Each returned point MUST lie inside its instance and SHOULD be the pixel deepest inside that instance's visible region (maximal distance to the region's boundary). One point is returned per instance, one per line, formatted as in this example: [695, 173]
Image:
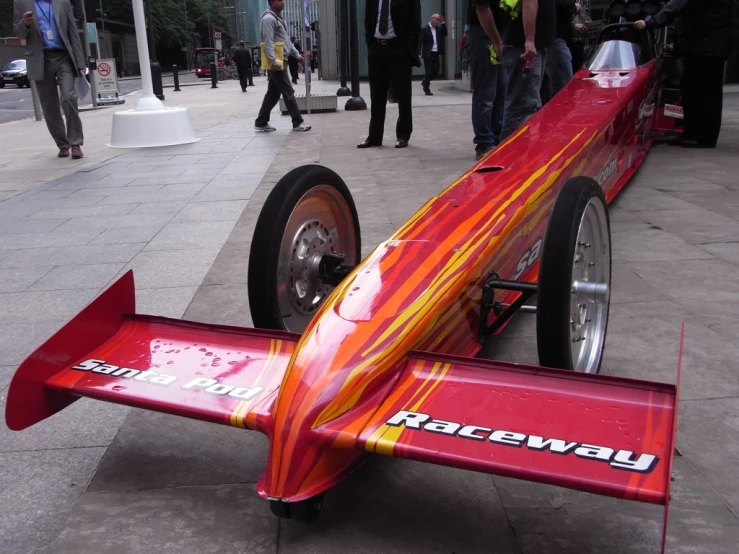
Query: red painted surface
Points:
[526, 407]
[326, 393]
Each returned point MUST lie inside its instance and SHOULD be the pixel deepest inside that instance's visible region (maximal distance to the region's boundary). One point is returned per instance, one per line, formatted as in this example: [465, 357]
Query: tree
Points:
[177, 23]
[6, 18]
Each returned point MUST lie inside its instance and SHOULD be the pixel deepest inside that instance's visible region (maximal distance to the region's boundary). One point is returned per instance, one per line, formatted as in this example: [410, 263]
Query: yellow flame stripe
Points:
[389, 437]
[240, 411]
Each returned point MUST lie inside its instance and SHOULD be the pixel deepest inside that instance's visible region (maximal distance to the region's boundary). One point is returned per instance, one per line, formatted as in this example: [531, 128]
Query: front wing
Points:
[215, 373]
[599, 434]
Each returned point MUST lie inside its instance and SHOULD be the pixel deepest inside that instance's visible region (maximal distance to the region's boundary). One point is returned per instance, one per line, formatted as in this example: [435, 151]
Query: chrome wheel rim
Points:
[591, 288]
[321, 222]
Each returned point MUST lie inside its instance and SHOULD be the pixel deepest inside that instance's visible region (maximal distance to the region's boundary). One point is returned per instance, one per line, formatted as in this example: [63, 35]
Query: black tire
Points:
[270, 232]
[305, 511]
[555, 331]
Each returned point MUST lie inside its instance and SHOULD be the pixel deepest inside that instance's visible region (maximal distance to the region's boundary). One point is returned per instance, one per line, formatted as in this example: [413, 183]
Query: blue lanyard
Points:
[46, 15]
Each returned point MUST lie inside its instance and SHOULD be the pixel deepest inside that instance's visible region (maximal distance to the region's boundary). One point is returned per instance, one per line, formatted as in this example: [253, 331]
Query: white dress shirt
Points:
[435, 47]
[390, 29]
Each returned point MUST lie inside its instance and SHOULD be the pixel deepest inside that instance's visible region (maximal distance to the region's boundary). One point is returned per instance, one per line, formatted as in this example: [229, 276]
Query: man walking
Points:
[432, 49]
[274, 32]
[525, 42]
[391, 30]
[486, 20]
[54, 55]
[705, 43]
[242, 57]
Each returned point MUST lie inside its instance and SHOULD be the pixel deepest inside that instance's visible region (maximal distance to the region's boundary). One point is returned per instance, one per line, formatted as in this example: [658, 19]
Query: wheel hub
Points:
[306, 291]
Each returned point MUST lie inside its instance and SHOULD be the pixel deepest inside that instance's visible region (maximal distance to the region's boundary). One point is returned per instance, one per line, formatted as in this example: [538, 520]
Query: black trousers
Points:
[702, 98]
[390, 66]
[244, 76]
[278, 83]
[577, 49]
[431, 66]
[293, 65]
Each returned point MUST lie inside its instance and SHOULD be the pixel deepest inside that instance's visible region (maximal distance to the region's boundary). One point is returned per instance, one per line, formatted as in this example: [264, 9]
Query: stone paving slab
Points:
[182, 217]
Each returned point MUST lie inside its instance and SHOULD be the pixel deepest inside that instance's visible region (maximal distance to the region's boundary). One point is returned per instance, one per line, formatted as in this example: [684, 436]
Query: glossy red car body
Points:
[386, 365]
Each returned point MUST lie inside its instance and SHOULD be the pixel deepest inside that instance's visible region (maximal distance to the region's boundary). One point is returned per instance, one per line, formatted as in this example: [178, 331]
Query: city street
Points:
[16, 104]
[101, 477]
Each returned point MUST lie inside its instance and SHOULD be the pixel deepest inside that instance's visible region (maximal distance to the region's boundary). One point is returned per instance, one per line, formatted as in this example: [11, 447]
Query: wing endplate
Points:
[215, 373]
[598, 434]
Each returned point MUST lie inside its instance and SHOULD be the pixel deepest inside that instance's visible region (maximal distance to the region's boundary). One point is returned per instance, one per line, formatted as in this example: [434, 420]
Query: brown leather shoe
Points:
[63, 153]
[76, 153]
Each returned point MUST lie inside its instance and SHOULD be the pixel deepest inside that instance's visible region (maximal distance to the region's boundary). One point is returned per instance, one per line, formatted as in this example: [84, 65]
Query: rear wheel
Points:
[575, 280]
[309, 213]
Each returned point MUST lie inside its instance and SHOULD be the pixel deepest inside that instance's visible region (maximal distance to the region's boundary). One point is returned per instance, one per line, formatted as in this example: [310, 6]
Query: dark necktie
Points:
[384, 13]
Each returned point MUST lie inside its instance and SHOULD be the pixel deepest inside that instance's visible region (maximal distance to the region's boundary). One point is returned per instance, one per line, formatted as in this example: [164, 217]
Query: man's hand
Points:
[300, 59]
[498, 45]
[581, 28]
[83, 72]
[529, 54]
[27, 18]
[275, 67]
[640, 25]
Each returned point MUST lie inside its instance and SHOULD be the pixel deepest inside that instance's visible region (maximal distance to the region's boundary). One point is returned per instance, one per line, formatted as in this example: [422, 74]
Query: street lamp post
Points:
[356, 102]
[343, 31]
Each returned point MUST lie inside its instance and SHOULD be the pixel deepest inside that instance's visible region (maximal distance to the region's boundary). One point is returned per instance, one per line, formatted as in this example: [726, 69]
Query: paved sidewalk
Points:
[99, 477]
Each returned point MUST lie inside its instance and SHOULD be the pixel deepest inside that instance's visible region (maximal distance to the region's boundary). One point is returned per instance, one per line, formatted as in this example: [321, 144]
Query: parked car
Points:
[14, 72]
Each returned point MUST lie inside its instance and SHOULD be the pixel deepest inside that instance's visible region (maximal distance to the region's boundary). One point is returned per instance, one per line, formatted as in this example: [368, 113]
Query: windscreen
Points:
[616, 55]
[204, 58]
[18, 64]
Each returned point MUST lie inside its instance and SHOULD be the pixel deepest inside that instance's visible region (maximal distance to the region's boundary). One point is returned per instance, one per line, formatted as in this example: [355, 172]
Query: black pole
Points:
[343, 32]
[213, 75]
[176, 76]
[356, 102]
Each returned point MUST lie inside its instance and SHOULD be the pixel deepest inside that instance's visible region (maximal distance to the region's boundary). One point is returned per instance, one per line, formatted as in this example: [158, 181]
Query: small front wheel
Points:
[305, 511]
[308, 215]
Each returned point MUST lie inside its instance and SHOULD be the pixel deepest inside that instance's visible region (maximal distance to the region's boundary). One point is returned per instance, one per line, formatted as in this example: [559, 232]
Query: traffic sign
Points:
[217, 35]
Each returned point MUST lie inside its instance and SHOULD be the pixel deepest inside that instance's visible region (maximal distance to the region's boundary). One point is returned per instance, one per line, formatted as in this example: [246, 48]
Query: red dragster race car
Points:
[354, 355]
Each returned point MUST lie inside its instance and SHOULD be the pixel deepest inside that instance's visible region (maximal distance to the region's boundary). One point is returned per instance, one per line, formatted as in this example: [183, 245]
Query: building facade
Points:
[455, 13]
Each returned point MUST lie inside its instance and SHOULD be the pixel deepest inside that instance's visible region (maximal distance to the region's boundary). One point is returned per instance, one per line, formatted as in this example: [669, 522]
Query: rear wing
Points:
[215, 373]
[598, 434]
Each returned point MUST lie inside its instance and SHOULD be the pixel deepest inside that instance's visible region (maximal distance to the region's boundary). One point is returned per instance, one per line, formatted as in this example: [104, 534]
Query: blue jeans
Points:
[522, 94]
[488, 91]
[558, 69]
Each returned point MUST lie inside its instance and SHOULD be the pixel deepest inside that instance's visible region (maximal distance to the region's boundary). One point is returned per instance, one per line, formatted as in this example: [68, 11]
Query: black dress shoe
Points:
[368, 144]
[402, 143]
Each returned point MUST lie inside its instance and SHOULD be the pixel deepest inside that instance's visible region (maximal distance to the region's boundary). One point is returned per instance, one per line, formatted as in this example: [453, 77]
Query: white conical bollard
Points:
[151, 123]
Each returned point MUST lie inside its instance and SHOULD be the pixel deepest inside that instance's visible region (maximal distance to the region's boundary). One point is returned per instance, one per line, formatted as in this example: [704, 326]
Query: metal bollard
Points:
[213, 75]
[36, 103]
[176, 75]
[156, 80]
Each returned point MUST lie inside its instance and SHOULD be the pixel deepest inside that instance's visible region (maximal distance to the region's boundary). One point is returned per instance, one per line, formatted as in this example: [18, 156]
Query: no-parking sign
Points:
[106, 78]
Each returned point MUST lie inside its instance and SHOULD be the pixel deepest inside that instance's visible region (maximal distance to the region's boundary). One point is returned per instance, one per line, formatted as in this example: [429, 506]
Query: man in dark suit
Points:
[54, 58]
[392, 29]
[242, 57]
[432, 49]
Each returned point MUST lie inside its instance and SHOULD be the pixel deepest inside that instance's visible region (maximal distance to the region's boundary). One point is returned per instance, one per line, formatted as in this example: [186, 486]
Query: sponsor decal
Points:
[208, 386]
[609, 170]
[618, 459]
[674, 111]
[528, 259]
